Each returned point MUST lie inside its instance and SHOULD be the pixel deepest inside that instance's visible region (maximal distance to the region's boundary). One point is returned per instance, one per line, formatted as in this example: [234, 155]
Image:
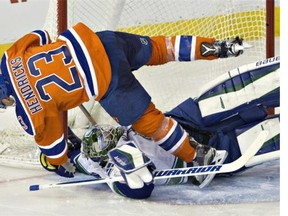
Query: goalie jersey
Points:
[48, 78]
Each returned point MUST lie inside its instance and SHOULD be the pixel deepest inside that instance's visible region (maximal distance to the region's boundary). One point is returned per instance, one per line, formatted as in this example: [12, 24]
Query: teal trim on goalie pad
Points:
[239, 82]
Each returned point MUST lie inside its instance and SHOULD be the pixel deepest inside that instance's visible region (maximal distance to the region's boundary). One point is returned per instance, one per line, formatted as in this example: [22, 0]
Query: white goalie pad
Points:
[242, 91]
[245, 139]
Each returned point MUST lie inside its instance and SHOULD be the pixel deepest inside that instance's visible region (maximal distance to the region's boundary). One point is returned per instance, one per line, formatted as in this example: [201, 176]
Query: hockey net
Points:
[169, 84]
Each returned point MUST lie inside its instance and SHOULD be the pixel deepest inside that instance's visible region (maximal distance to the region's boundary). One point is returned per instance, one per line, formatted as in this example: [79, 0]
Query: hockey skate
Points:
[224, 48]
[206, 155]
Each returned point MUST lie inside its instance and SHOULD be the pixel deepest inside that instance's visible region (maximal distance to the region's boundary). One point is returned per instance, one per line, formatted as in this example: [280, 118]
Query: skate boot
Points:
[224, 48]
[205, 155]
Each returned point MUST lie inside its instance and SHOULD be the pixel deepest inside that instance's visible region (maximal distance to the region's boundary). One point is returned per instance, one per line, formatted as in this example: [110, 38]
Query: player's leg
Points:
[129, 103]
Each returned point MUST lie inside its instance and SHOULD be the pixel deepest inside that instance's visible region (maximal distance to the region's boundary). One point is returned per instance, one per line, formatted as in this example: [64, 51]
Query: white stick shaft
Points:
[214, 169]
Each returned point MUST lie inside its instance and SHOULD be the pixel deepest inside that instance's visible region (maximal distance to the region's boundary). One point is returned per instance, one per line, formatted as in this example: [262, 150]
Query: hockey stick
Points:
[88, 115]
[172, 173]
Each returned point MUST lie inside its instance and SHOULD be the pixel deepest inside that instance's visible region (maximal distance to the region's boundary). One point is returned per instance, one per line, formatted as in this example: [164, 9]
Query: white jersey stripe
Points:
[80, 69]
[177, 47]
[91, 68]
[193, 48]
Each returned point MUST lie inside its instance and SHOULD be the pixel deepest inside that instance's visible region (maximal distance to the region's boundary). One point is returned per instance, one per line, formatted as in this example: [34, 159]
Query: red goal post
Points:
[270, 34]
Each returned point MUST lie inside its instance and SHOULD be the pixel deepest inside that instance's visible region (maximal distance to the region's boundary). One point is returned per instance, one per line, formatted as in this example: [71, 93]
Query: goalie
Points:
[230, 126]
[47, 78]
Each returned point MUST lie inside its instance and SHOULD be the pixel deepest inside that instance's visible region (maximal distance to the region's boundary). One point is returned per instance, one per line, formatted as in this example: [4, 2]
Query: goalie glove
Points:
[88, 166]
[224, 48]
[134, 166]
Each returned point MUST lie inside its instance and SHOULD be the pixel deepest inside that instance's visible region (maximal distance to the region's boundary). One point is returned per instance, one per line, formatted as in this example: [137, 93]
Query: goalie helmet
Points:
[99, 140]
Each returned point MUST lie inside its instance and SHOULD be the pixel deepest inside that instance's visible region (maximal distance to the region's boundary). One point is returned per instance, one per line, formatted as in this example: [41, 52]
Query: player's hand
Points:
[65, 170]
[7, 101]
[134, 166]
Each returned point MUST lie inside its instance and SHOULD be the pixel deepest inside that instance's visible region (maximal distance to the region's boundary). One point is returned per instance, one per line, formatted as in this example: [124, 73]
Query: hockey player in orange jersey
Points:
[46, 78]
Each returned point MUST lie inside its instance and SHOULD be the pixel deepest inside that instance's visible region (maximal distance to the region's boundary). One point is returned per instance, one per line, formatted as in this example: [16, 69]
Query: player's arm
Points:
[38, 37]
[190, 48]
[55, 154]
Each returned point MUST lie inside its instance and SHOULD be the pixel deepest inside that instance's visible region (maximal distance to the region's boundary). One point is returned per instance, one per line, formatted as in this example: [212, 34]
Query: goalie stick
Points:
[172, 173]
[87, 114]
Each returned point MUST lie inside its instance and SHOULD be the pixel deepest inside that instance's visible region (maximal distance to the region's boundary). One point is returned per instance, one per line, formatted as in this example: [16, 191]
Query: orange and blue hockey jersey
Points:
[48, 78]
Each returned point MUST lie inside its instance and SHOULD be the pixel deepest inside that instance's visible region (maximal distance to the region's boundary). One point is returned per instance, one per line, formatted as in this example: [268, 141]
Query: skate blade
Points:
[246, 45]
[218, 159]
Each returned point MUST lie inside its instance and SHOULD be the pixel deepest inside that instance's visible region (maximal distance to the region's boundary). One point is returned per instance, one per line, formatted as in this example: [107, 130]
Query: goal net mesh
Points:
[168, 84]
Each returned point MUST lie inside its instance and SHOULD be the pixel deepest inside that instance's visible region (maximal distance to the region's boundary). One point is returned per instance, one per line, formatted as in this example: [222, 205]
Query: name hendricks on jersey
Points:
[24, 86]
[187, 171]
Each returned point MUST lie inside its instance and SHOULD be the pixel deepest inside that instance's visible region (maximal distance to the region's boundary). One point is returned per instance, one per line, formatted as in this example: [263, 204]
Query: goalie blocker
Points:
[232, 110]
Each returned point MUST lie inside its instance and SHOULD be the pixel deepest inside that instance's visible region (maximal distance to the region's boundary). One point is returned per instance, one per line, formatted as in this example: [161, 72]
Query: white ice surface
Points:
[253, 192]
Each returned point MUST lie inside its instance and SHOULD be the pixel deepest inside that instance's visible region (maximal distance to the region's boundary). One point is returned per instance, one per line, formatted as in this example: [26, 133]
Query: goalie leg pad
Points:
[243, 87]
[237, 141]
[271, 144]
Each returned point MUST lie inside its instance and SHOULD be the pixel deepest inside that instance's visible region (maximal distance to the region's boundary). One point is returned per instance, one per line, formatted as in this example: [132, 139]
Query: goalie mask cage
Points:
[168, 84]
